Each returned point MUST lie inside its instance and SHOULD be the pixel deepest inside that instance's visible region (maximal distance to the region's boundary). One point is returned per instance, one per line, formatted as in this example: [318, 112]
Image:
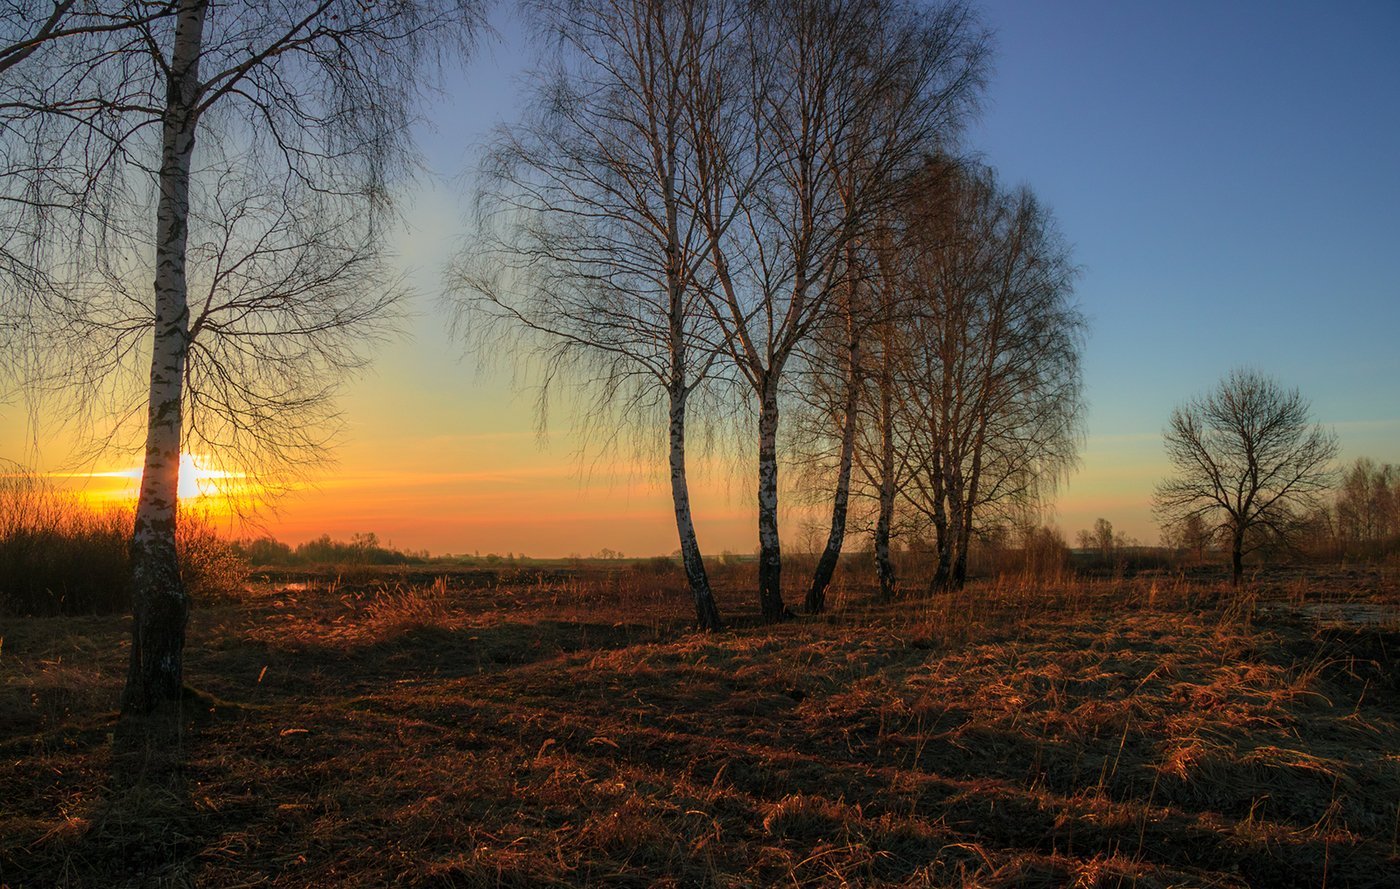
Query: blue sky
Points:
[1230, 174]
[1230, 177]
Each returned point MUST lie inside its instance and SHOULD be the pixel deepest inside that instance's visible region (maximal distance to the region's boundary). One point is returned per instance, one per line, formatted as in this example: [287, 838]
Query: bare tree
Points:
[987, 358]
[32, 26]
[886, 467]
[600, 262]
[1248, 459]
[1100, 539]
[842, 98]
[834, 362]
[845, 422]
[274, 227]
[844, 436]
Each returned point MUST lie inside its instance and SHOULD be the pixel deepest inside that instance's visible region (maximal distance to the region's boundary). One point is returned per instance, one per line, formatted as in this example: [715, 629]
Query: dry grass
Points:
[60, 554]
[539, 730]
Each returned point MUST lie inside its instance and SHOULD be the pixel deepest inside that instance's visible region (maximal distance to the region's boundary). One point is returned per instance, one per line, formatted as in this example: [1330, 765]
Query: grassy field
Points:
[539, 729]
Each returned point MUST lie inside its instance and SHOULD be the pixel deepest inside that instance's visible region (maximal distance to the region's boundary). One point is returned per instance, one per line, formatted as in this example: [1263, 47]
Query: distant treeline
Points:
[1363, 521]
[360, 549]
[61, 555]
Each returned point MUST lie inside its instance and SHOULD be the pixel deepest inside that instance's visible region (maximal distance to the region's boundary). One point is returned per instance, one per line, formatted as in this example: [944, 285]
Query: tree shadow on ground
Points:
[142, 826]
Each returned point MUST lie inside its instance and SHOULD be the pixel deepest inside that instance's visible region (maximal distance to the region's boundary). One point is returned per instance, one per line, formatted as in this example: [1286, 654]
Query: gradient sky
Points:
[1229, 175]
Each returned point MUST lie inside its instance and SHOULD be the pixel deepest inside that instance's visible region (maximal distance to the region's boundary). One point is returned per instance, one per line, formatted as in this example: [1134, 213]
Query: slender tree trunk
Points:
[770, 556]
[836, 537]
[953, 549]
[943, 547]
[959, 575]
[160, 607]
[706, 614]
[965, 514]
[1236, 558]
[884, 566]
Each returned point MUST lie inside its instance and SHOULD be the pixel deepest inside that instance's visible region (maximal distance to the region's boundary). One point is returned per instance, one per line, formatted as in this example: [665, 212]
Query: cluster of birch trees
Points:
[721, 203]
[193, 204]
[963, 385]
[712, 203]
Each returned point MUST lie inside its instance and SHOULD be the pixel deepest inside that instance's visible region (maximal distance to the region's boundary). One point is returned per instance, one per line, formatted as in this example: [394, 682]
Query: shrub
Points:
[658, 566]
[362, 549]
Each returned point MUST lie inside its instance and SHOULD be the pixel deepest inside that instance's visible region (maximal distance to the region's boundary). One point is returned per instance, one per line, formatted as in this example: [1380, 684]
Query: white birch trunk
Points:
[706, 613]
[770, 556]
[969, 504]
[942, 543]
[836, 537]
[160, 607]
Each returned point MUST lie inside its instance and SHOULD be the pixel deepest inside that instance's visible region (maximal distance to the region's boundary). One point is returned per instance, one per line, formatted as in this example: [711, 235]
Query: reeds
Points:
[61, 555]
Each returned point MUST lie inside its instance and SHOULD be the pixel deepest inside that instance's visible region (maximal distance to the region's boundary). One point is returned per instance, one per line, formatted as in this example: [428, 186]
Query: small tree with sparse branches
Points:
[1248, 459]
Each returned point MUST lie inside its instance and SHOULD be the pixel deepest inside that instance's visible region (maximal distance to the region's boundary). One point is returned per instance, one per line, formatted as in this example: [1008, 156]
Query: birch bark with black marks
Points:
[770, 555]
[160, 607]
[302, 110]
[267, 284]
[840, 503]
[591, 251]
[706, 612]
[679, 279]
[844, 99]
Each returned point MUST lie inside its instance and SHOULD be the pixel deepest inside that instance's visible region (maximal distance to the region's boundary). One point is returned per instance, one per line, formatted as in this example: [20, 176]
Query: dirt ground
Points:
[545, 729]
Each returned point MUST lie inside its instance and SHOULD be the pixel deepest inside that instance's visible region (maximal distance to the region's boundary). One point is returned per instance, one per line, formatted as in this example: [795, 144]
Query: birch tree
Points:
[1248, 460]
[884, 465]
[266, 242]
[599, 260]
[974, 387]
[1368, 508]
[835, 372]
[805, 173]
[1016, 427]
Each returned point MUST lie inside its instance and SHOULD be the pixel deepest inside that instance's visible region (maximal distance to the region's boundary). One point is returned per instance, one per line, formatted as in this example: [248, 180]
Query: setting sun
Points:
[197, 481]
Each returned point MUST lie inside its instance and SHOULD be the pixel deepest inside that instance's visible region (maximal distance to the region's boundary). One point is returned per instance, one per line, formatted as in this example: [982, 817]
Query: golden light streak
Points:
[198, 481]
